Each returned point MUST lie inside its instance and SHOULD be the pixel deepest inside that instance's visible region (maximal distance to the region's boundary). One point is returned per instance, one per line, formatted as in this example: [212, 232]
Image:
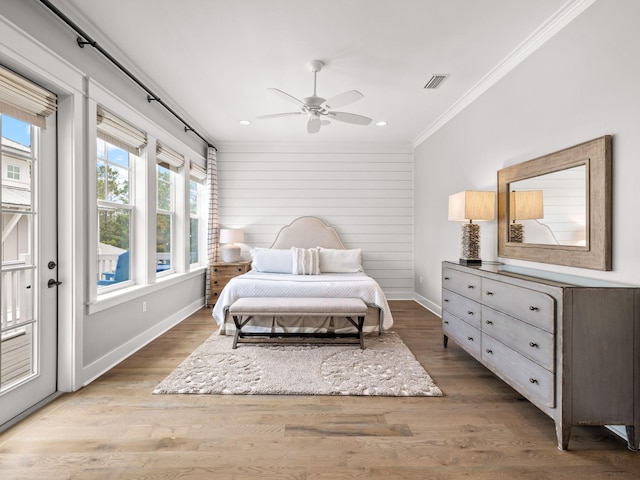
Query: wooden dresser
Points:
[570, 345]
[221, 273]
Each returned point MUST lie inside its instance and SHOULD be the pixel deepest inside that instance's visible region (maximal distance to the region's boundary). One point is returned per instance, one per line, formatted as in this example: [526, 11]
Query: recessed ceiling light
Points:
[381, 123]
[245, 122]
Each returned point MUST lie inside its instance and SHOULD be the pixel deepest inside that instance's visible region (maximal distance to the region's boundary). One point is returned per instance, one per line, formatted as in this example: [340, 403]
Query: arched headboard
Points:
[307, 232]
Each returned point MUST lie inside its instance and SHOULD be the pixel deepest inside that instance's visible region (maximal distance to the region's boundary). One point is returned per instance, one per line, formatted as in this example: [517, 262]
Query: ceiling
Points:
[213, 60]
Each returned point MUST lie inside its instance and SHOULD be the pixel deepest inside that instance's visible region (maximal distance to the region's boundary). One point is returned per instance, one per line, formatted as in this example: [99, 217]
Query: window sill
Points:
[112, 299]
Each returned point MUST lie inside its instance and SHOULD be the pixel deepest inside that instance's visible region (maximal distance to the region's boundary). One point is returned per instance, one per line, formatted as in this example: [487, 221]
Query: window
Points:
[196, 187]
[115, 210]
[13, 172]
[168, 164]
[164, 218]
[118, 145]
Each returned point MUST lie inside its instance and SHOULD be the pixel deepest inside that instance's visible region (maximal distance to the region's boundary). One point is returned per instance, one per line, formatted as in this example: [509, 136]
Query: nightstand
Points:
[221, 273]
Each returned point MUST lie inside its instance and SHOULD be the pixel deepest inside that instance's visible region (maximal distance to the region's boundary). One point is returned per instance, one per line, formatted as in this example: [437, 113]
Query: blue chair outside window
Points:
[121, 274]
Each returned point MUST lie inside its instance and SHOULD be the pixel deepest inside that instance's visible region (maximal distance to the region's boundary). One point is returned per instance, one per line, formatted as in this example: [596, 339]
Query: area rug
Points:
[386, 367]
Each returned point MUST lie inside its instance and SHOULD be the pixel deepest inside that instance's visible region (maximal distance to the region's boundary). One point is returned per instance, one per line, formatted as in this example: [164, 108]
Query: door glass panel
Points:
[18, 326]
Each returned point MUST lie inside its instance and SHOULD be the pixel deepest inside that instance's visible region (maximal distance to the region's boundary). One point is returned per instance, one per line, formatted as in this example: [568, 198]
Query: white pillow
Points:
[305, 261]
[340, 261]
[271, 260]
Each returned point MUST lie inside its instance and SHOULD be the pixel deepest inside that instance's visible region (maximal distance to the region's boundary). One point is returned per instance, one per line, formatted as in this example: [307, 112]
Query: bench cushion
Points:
[299, 306]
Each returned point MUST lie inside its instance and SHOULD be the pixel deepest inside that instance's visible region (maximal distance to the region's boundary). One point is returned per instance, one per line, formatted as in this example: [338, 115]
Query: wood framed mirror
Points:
[557, 208]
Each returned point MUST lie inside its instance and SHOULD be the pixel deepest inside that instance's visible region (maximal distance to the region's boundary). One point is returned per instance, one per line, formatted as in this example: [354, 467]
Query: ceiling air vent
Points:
[436, 80]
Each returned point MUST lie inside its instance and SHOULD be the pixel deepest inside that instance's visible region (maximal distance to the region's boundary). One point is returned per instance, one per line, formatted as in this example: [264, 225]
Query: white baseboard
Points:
[110, 360]
[428, 304]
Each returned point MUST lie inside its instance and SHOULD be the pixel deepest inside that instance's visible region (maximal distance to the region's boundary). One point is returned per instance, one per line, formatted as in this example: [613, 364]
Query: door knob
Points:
[53, 283]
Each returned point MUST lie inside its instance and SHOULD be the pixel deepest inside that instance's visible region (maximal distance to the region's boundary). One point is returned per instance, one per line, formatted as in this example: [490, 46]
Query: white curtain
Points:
[214, 226]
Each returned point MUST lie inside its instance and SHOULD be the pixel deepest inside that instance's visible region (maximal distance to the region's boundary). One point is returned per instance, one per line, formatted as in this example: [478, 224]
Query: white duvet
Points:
[260, 284]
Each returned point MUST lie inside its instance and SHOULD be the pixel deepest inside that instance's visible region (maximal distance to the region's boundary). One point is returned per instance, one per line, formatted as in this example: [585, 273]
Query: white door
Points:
[28, 272]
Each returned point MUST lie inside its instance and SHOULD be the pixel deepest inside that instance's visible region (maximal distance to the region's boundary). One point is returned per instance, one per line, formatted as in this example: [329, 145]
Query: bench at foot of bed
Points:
[244, 309]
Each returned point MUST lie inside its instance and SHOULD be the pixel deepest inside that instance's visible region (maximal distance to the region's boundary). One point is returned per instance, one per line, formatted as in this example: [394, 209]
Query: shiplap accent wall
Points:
[364, 191]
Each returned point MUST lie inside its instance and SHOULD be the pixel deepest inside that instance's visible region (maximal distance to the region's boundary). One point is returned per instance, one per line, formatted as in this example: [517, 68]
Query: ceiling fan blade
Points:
[276, 115]
[286, 96]
[343, 99]
[350, 118]
[313, 125]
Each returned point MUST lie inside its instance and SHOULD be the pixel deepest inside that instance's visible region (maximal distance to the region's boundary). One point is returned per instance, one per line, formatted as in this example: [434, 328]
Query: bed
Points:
[323, 266]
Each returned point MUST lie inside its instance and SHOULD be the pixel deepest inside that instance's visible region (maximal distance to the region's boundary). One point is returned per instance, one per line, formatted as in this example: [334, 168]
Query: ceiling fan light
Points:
[244, 122]
[382, 123]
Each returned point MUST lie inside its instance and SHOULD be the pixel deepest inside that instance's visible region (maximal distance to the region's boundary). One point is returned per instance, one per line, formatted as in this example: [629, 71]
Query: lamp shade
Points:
[472, 205]
[526, 205]
[231, 235]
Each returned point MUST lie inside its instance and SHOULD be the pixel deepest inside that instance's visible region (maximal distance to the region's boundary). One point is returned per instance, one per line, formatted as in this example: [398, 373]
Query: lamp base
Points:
[230, 253]
[516, 232]
[470, 254]
[470, 261]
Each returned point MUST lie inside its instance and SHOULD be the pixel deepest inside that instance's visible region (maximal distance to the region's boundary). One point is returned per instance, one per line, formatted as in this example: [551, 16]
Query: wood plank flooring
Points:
[481, 429]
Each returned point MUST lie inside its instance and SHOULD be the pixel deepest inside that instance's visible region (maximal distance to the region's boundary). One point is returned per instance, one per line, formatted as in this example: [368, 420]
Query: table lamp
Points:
[523, 205]
[468, 206]
[230, 252]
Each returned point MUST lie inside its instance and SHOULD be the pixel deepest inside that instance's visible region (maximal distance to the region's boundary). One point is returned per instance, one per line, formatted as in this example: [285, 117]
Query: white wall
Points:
[582, 84]
[364, 191]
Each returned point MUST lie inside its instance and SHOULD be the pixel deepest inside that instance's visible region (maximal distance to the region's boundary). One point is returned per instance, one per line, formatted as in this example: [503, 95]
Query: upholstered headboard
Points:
[307, 232]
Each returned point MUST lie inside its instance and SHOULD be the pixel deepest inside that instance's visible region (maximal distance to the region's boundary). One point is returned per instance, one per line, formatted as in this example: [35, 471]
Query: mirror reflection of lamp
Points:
[468, 206]
[523, 205]
[230, 252]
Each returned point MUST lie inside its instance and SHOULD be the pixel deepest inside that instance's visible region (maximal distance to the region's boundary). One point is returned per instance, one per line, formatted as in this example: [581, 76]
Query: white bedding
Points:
[260, 284]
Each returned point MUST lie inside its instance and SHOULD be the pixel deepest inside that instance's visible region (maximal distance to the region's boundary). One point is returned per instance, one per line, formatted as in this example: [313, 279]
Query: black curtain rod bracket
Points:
[82, 42]
[84, 39]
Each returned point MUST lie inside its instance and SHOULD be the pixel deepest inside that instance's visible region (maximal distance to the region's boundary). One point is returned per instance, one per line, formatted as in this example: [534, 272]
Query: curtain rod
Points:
[85, 39]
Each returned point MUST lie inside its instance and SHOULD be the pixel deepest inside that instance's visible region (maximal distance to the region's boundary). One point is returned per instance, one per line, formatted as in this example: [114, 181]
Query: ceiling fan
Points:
[318, 109]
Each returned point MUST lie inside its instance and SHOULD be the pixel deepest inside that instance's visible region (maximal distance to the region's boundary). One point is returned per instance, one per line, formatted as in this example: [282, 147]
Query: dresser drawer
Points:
[463, 283]
[462, 307]
[230, 270]
[462, 333]
[529, 378]
[533, 307]
[532, 342]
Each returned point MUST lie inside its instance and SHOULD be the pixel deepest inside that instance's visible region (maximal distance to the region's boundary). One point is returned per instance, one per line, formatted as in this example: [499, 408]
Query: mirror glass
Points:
[550, 209]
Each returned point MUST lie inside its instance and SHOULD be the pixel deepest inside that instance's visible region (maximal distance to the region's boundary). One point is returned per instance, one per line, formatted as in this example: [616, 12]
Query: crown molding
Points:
[559, 20]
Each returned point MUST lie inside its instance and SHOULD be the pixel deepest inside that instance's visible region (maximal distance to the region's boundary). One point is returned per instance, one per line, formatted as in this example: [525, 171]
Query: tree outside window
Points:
[113, 180]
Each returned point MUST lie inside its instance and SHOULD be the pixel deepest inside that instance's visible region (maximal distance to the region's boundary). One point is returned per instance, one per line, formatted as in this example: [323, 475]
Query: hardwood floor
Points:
[481, 429]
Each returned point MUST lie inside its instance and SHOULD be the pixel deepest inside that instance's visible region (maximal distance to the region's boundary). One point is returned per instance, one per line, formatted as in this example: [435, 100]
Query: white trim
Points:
[560, 19]
[127, 294]
[428, 304]
[32, 59]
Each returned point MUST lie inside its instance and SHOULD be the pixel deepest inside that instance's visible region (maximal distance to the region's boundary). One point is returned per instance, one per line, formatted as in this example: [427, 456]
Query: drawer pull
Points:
[488, 350]
[446, 278]
[533, 380]
[469, 312]
[489, 292]
[489, 322]
[470, 339]
[239, 269]
[533, 345]
[533, 309]
[470, 286]
[215, 269]
[215, 282]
